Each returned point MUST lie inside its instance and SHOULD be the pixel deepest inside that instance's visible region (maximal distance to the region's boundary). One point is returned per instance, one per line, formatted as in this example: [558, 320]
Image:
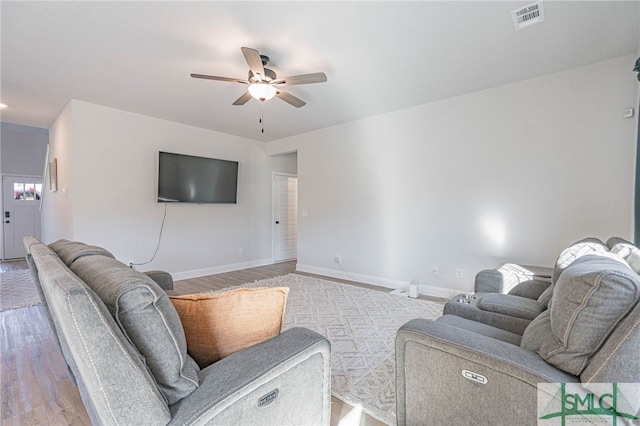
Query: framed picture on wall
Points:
[53, 175]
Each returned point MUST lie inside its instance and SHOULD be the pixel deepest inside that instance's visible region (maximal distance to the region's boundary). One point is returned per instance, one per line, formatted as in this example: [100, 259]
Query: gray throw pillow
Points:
[590, 298]
[148, 319]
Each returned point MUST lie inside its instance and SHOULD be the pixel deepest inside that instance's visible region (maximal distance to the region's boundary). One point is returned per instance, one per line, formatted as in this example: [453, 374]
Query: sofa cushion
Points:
[589, 299]
[70, 251]
[513, 306]
[576, 250]
[220, 324]
[148, 319]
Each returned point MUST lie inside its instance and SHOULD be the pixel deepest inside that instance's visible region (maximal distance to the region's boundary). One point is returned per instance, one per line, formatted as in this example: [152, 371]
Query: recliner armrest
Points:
[513, 306]
[287, 377]
[531, 289]
[163, 279]
[432, 387]
[509, 276]
[521, 363]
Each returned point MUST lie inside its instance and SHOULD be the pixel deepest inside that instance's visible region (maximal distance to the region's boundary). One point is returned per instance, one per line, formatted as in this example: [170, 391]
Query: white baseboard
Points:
[423, 289]
[184, 275]
[445, 292]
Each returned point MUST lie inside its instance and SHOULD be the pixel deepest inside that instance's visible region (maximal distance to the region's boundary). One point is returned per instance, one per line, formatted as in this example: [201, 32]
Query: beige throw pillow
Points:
[217, 325]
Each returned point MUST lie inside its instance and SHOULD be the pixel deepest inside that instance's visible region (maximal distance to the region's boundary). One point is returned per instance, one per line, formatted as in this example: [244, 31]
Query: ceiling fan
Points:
[263, 83]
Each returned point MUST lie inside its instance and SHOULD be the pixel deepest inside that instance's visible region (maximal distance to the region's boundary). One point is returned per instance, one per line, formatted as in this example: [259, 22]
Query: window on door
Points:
[27, 191]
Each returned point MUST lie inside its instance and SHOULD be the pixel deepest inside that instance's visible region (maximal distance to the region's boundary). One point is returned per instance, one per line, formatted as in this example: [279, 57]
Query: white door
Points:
[21, 212]
[285, 205]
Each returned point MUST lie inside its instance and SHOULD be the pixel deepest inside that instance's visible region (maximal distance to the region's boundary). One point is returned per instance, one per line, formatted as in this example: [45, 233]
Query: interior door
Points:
[285, 217]
[21, 213]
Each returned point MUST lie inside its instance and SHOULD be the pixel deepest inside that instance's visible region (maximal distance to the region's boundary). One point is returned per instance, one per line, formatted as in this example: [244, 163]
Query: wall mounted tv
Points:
[190, 179]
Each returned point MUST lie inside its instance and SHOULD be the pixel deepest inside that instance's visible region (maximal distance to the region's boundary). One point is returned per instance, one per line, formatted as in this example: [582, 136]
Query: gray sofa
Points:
[125, 346]
[467, 370]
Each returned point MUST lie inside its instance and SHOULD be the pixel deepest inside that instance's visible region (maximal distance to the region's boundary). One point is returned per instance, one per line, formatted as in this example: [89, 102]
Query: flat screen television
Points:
[191, 179]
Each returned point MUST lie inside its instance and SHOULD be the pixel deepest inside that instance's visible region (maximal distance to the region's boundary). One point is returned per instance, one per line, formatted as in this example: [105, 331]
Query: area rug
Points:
[361, 325]
[17, 290]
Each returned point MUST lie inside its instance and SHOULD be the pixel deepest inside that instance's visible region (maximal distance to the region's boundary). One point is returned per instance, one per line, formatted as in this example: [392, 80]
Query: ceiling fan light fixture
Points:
[262, 91]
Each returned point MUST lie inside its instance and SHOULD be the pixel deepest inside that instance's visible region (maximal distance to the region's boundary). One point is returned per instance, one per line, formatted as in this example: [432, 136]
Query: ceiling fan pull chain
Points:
[261, 123]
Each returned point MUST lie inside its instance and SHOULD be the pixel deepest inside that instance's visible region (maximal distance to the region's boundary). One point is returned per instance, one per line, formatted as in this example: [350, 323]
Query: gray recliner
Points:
[502, 298]
[459, 371]
[512, 296]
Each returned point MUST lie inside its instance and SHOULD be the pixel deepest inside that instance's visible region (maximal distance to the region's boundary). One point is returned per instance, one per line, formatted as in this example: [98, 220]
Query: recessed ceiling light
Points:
[3, 106]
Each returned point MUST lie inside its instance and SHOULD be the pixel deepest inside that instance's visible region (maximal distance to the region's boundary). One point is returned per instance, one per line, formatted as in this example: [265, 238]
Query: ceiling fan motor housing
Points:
[268, 76]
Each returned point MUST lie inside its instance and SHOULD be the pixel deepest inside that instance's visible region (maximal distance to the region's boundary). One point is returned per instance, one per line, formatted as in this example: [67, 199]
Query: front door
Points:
[21, 213]
[285, 204]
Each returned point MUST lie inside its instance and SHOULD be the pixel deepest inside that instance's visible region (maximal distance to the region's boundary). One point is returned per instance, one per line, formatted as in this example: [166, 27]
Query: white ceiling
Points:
[378, 56]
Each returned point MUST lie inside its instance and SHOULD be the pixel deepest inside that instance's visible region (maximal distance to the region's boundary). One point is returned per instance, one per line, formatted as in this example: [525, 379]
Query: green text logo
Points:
[607, 404]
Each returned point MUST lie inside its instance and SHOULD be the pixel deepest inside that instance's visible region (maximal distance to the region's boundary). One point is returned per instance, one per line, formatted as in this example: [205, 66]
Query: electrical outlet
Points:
[338, 258]
[241, 251]
[459, 273]
[435, 270]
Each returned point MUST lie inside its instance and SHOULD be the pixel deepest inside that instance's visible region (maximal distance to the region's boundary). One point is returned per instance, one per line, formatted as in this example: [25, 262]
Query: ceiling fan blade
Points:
[290, 99]
[213, 77]
[316, 77]
[254, 60]
[243, 99]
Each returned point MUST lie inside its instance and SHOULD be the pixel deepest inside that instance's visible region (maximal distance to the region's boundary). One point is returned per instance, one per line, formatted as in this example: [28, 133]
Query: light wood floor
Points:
[13, 265]
[36, 386]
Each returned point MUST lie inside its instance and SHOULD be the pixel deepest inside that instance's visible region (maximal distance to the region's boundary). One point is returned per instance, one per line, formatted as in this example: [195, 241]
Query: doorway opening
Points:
[21, 197]
[285, 217]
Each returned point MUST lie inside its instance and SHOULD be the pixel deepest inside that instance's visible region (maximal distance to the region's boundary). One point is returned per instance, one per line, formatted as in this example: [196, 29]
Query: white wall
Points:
[111, 192]
[513, 173]
[57, 209]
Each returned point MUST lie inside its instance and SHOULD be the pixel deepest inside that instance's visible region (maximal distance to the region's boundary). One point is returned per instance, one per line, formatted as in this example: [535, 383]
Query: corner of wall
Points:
[57, 217]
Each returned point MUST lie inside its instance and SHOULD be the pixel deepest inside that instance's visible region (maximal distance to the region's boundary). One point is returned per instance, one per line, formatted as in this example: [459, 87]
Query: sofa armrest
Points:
[432, 387]
[287, 377]
[163, 279]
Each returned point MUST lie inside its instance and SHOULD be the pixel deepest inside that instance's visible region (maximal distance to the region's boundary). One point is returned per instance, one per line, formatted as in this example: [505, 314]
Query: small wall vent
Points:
[527, 16]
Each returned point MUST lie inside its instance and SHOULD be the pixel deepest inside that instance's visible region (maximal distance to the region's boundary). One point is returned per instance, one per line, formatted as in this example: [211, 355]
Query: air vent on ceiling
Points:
[529, 15]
